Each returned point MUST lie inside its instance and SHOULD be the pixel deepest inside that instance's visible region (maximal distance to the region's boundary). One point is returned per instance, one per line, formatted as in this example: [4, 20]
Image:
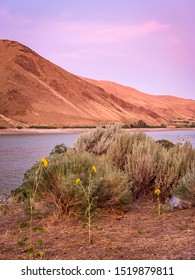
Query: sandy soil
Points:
[42, 131]
[137, 234]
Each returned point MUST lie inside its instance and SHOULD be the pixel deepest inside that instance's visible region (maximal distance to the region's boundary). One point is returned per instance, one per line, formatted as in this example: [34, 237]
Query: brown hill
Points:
[175, 110]
[34, 91]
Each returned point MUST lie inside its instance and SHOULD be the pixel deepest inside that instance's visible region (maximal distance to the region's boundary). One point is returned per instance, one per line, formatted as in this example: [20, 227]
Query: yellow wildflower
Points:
[41, 254]
[94, 169]
[44, 162]
[78, 180]
[157, 191]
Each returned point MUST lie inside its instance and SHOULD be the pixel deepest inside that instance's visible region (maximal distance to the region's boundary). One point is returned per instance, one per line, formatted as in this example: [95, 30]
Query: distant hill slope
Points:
[171, 108]
[34, 91]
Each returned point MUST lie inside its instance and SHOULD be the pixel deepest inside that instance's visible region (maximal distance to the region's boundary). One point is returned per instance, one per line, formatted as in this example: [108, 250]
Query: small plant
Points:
[3, 208]
[119, 248]
[23, 225]
[165, 143]
[39, 245]
[32, 211]
[59, 149]
[159, 206]
[23, 241]
[88, 192]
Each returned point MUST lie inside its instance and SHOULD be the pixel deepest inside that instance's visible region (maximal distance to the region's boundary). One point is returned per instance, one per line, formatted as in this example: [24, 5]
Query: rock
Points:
[179, 203]
[4, 198]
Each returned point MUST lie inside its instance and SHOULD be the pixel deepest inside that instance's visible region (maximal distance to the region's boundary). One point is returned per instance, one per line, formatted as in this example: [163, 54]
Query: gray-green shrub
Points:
[98, 140]
[148, 164]
[141, 166]
[186, 186]
[165, 143]
[168, 171]
[125, 162]
[122, 146]
[58, 183]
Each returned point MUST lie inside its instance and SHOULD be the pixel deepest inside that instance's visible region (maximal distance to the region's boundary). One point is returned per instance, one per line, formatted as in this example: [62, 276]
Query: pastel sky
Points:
[145, 44]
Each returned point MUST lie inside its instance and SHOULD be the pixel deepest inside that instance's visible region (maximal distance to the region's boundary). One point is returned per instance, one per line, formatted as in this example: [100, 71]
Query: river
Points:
[19, 152]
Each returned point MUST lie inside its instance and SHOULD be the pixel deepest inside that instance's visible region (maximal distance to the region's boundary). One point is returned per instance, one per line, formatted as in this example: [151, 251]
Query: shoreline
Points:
[30, 131]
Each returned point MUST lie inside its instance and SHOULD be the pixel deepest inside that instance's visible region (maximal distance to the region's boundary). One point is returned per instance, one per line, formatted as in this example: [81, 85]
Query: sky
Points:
[145, 44]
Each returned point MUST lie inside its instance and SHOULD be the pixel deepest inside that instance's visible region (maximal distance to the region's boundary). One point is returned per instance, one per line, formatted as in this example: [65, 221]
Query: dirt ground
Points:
[135, 235]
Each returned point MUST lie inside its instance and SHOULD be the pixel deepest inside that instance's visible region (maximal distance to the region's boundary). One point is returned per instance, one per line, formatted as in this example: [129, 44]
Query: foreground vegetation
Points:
[108, 169]
[148, 164]
[128, 166]
[137, 234]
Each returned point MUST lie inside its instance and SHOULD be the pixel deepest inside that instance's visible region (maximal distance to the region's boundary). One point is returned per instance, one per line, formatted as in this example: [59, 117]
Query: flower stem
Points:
[159, 206]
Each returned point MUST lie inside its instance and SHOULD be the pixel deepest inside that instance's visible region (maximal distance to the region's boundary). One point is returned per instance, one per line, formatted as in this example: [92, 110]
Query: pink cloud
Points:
[153, 26]
[76, 32]
[7, 17]
[88, 33]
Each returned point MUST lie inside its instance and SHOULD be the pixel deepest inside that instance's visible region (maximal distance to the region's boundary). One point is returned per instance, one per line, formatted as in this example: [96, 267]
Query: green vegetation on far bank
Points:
[139, 124]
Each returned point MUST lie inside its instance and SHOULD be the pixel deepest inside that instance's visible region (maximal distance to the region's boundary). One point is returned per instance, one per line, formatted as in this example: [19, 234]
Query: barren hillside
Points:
[34, 91]
[171, 108]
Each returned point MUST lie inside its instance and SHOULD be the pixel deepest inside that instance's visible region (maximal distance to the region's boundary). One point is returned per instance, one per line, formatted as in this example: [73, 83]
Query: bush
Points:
[142, 124]
[58, 183]
[121, 146]
[118, 190]
[59, 149]
[23, 192]
[173, 165]
[187, 153]
[148, 164]
[141, 166]
[186, 186]
[165, 143]
[168, 171]
[163, 125]
[97, 141]
[125, 163]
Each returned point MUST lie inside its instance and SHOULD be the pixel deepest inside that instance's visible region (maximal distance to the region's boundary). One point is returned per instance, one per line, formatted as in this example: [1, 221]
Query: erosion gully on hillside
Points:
[36, 92]
[136, 234]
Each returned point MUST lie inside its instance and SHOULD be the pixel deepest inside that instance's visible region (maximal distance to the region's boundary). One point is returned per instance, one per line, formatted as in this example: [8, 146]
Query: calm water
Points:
[174, 136]
[20, 152]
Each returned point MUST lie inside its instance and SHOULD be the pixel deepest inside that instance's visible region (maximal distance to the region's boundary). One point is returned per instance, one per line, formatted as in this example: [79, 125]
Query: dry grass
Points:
[137, 234]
